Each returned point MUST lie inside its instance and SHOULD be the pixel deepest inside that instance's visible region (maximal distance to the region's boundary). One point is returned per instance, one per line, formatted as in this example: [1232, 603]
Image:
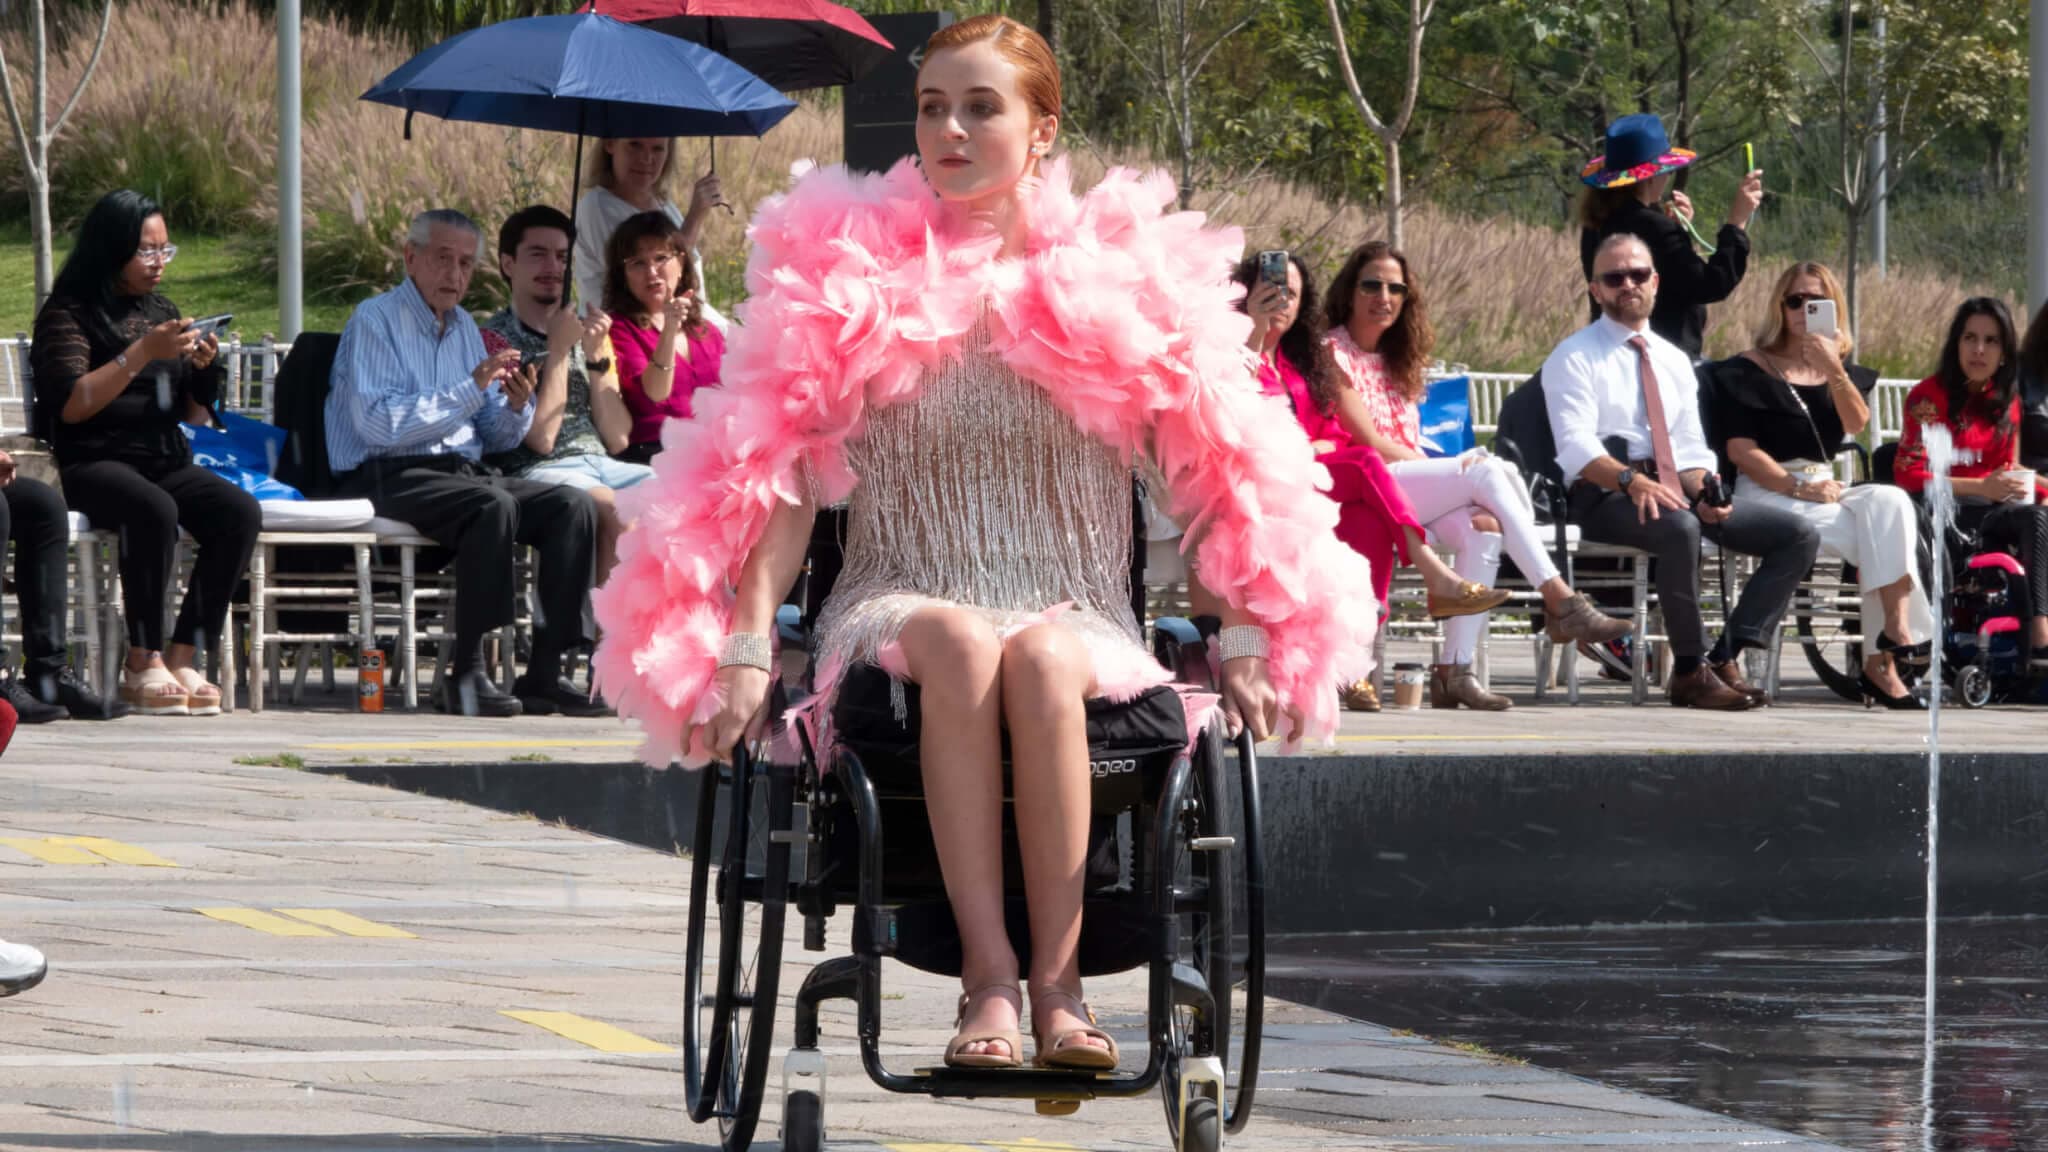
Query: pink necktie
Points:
[1653, 408]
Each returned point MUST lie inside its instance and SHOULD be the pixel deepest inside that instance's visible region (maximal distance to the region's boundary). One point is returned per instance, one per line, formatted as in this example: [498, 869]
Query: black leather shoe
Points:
[82, 702]
[472, 694]
[27, 708]
[542, 698]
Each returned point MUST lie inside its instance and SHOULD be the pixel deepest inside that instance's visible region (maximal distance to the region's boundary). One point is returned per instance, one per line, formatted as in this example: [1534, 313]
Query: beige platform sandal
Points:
[155, 692]
[955, 1058]
[201, 697]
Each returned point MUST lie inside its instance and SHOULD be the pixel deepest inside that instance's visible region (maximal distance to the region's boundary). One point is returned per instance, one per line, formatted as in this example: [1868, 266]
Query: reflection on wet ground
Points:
[1813, 1029]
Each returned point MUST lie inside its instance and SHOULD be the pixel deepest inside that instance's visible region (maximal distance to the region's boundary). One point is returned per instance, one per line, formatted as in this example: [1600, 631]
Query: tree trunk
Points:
[39, 147]
[1392, 144]
[1853, 256]
[1048, 24]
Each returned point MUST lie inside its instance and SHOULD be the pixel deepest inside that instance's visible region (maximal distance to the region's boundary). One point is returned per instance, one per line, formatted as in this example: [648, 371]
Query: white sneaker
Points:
[21, 968]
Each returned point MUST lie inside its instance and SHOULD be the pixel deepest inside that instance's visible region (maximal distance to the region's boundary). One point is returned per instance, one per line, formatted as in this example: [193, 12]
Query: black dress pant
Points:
[480, 516]
[34, 517]
[1785, 543]
[146, 502]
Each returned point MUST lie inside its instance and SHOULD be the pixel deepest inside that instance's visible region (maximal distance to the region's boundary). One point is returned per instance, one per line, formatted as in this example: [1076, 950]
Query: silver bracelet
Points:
[1242, 640]
[746, 649]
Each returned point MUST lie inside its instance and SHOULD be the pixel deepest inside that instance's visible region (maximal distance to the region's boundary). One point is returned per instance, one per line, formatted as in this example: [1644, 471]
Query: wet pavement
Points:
[1813, 1029]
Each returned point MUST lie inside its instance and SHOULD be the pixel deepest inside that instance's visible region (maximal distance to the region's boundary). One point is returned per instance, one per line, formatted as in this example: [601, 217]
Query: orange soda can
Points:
[370, 681]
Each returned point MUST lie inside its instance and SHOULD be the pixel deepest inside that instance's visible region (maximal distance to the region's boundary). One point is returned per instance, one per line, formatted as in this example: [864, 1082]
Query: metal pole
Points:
[1880, 145]
[290, 192]
[2037, 145]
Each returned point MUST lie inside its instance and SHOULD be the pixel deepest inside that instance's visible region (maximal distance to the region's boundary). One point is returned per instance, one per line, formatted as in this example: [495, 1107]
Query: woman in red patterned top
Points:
[1380, 341]
[1976, 395]
[1374, 518]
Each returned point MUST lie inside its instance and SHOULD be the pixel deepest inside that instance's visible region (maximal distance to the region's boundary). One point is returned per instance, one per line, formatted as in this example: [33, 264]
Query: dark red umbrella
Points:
[791, 44]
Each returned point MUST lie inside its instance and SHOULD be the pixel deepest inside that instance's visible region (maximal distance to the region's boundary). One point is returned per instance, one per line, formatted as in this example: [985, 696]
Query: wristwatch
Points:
[598, 367]
[1623, 479]
[1798, 482]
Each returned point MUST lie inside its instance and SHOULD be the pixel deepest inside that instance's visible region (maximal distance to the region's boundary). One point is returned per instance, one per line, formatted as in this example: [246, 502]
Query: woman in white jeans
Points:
[1474, 504]
[1780, 412]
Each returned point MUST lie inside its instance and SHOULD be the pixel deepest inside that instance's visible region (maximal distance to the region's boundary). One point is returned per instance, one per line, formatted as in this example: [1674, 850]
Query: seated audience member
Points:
[1976, 395]
[579, 418]
[1380, 341]
[415, 404]
[1624, 408]
[1781, 412]
[626, 178]
[33, 516]
[116, 368]
[2034, 394]
[664, 349]
[1373, 517]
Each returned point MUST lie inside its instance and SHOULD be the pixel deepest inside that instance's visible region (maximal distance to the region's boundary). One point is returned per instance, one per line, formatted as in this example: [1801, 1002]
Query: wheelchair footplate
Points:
[1057, 1091]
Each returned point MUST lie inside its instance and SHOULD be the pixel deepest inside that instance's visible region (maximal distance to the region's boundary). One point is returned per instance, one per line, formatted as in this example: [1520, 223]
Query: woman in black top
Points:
[1780, 412]
[2034, 395]
[116, 368]
[1624, 189]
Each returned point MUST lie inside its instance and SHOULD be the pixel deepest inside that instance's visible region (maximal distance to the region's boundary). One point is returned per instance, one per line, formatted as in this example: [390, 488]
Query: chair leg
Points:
[259, 622]
[408, 637]
[1639, 654]
[89, 596]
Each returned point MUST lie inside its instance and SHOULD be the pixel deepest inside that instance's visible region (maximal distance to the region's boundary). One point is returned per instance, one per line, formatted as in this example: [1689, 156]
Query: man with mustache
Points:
[1624, 408]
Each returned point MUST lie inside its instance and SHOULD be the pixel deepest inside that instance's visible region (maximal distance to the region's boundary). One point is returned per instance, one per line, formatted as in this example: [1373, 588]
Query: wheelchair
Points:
[1175, 884]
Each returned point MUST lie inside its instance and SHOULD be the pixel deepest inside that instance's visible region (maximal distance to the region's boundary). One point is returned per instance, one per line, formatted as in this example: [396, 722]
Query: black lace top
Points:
[141, 423]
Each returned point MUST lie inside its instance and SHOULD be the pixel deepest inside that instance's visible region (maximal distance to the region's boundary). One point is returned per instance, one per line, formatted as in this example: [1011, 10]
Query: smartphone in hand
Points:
[215, 326]
[1273, 267]
[1821, 319]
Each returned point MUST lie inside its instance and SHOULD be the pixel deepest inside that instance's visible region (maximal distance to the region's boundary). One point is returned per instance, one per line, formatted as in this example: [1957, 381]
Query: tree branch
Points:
[1372, 119]
[99, 46]
[28, 156]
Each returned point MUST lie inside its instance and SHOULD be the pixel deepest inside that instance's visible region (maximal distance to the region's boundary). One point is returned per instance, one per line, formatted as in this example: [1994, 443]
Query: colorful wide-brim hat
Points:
[1637, 149]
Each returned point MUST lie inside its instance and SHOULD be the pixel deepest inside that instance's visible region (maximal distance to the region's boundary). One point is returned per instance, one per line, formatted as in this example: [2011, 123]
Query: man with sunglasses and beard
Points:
[1624, 408]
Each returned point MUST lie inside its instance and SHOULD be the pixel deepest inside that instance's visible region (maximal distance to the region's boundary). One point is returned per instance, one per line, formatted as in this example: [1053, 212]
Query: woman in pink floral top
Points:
[1374, 518]
[1379, 341]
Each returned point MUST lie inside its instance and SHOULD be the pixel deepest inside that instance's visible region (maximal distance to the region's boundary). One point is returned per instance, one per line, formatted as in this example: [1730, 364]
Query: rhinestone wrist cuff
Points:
[1242, 640]
[748, 649]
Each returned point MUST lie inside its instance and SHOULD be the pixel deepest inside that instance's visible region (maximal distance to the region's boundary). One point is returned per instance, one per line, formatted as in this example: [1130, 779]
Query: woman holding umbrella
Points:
[975, 354]
[627, 177]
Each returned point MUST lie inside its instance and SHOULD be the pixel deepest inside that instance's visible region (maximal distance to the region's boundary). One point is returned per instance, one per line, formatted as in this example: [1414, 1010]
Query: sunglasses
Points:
[1635, 276]
[1798, 301]
[1393, 288]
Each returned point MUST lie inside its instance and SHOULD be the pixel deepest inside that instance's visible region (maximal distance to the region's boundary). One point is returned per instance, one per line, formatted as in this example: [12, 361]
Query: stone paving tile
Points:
[162, 1029]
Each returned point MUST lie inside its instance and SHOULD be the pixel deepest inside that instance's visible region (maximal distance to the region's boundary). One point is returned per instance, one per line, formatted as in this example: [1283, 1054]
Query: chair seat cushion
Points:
[316, 515]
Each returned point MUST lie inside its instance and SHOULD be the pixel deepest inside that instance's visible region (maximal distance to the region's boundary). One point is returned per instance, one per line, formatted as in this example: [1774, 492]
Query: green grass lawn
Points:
[208, 277]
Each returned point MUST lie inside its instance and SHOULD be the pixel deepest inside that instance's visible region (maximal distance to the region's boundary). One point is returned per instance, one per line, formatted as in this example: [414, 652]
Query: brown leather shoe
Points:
[1700, 688]
[1730, 674]
[1453, 684]
[1584, 622]
[1359, 697]
[1472, 599]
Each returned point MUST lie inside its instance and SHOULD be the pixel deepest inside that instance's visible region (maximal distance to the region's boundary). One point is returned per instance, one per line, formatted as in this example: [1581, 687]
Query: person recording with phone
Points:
[665, 347]
[579, 418]
[1626, 192]
[116, 368]
[1624, 408]
[1779, 413]
[1976, 394]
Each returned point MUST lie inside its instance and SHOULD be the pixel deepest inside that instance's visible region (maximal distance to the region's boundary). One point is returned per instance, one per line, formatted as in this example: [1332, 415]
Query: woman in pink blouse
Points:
[664, 348]
[1373, 517]
[1379, 342]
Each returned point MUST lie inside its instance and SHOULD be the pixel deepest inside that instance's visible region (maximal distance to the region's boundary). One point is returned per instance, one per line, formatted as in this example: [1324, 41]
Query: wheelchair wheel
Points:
[803, 1123]
[703, 1067]
[1973, 686]
[752, 892]
[1224, 940]
[1837, 660]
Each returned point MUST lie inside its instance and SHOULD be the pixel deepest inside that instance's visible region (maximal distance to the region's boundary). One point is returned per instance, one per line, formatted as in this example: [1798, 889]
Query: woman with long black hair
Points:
[116, 368]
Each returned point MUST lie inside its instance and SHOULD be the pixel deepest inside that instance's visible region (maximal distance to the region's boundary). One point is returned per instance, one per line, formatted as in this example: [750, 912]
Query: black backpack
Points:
[301, 410]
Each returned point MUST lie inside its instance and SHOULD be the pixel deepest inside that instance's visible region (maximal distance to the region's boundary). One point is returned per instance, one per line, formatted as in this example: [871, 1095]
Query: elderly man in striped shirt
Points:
[415, 405]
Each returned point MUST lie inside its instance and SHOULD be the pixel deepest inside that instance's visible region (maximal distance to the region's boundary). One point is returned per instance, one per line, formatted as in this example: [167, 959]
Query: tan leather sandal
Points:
[155, 692]
[201, 698]
[1066, 1049]
[955, 1058]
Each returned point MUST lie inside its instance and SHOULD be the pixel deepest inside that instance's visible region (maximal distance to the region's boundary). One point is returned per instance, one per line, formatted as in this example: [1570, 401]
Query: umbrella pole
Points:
[575, 194]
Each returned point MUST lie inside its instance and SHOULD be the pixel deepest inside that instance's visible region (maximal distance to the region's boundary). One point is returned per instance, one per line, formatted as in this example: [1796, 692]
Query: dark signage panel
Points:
[881, 109]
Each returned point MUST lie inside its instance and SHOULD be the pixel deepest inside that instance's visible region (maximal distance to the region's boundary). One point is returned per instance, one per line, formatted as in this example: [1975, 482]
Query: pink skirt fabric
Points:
[1371, 512]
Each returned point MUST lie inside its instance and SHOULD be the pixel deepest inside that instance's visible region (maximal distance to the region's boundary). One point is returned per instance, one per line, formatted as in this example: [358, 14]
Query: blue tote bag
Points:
[1446, 418]
[244, 451]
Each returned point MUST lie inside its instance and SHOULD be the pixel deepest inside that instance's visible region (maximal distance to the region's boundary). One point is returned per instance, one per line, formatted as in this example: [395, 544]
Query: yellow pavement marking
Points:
[591, 1033]
[263, 921]
[346, 924]
[431, 745]
[936, 1147]
[118, 852]
[52, 851]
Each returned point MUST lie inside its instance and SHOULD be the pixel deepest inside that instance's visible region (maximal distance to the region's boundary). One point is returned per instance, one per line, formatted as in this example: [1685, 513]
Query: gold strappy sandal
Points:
[955, 1058]
[1065, 1051]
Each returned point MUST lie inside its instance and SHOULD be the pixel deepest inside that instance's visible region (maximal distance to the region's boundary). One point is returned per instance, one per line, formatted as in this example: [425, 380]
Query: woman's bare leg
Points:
[609, 529]
[956, 661]
[1046, 677]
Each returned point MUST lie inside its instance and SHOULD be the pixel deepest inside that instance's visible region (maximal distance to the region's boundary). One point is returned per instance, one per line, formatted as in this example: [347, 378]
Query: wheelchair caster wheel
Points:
[1201, 1130]
[803, 1122]
[1973, 686]
[1058, 1107]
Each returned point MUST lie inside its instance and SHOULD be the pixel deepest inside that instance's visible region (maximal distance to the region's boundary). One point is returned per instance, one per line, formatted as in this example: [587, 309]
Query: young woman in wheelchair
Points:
[975, 355]
[1779, 413]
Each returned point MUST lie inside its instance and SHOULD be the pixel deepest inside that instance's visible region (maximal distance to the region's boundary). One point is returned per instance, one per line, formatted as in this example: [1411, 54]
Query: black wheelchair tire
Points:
[803, 1122]
[703, 1065]
[746, 1015]
[1973, 686]
[1203, 1130]
[1251, 865]
[1843, 680]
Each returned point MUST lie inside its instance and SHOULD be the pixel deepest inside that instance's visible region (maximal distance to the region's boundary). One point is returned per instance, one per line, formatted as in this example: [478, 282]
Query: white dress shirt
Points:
[1591, 384]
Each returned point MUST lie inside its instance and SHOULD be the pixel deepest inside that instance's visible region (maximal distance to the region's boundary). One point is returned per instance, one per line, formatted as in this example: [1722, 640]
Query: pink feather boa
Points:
[1122, 310]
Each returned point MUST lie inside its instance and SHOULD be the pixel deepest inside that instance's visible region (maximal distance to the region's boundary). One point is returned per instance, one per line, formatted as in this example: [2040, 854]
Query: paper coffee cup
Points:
[1408, 684]
[2025, 476]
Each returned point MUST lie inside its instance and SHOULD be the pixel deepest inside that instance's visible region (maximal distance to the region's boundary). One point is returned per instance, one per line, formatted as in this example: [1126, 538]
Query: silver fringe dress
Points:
[980, 493]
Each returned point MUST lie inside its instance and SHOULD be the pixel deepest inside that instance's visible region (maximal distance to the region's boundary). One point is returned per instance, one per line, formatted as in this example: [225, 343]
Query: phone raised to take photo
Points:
[1273, 266]
[1820, 318]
